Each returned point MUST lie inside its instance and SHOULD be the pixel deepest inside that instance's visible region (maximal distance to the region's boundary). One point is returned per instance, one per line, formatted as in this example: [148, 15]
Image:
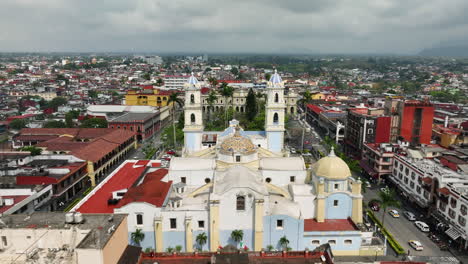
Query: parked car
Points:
[416, 245]
[422, 226]
[385, 189]
[170, 152]
[409, 215]
[293, 150]
[394, 213]
[374, 206]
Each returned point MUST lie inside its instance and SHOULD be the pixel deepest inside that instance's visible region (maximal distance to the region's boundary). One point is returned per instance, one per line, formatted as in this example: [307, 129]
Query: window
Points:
[411, 185]
[332, 242]
[276, 98]
[207, 180]
[348, 241]
[139, 219]
[292, 178]
[463, 209]
[315, 242]
[335, 202]
[238, 158]
[201, 224]
[183, 179]
[418, 189]
[461, 220]
[442, 206]
[413, 175]
[453, 202]
[406, 171]
[192, 99]
[370, 131]
[275, 118]
[268, 180]
[451, 213]
[192, 118]
[240, 203]
[173, 223]
[4, 241]
[279, 224]
[337, 186]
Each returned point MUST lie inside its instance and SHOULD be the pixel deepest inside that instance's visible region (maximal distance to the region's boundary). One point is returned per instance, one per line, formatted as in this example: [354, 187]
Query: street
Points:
[404, 230]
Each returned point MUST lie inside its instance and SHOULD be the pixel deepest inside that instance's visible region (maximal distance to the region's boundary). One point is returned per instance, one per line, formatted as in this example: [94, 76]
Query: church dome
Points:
[237, 144]
[331, 167]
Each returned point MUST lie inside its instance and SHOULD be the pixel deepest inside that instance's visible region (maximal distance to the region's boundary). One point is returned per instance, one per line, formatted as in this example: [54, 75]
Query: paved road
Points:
[404, 230]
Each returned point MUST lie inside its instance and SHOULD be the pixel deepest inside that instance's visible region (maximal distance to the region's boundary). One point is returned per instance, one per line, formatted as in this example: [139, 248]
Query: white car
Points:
[385, 189]
[416, 245]
[293, 150]
[409, 215]
[394, 213]
[422, 226]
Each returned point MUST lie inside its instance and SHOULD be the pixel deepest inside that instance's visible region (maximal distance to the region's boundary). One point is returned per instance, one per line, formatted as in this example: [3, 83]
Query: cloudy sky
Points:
[269, 26]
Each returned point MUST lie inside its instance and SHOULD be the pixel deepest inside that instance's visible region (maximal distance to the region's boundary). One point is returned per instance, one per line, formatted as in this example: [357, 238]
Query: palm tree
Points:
[306, 99]
[226, 91]
[211, 99]
[137, 236]
[159, 82]
[284, 242]
[237, 235]
[386, 199]
[174, 98]
[213, 81]
[201, 240]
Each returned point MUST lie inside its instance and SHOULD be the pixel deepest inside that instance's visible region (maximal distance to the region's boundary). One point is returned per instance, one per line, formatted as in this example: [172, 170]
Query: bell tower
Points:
[193, 128]
[275, 111]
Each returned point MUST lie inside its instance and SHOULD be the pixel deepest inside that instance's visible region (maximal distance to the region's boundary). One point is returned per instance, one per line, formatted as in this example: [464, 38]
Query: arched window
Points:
[192, 99]
[276, 98]
[192, 118]
[275, 118]
[240, 203]
[237, 109]
[292, 110]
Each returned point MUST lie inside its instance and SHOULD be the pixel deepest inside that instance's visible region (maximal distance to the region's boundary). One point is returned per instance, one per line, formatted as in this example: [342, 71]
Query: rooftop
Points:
[132, 117]
[311, 225]
[97, 224]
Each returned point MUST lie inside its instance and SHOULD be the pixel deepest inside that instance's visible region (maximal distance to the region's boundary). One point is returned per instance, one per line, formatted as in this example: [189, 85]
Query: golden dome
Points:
[237, 144]
[331, 167]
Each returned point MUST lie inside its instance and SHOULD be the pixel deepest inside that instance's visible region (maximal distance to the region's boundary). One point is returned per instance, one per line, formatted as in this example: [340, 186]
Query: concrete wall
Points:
[87, 256]
[275, 141]
[344, 208]
[282, 178]
[338, 236]
[293, 229]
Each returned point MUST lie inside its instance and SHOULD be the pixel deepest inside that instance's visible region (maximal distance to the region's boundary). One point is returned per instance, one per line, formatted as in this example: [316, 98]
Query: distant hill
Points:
[453, 51]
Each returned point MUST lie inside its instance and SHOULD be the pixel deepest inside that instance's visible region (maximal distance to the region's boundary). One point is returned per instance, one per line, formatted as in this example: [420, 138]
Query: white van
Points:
[422, 226]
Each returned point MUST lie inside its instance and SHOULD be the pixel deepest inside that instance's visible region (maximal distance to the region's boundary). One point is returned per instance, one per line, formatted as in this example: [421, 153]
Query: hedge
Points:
[70, 206]
[391, 240]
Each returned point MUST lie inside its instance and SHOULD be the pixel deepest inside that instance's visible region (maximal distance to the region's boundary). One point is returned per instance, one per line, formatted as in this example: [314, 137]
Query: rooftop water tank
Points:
[78, 218]
[69, 218]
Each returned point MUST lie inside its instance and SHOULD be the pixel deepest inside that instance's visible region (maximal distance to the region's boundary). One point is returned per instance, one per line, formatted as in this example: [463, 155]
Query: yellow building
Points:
[147, 97]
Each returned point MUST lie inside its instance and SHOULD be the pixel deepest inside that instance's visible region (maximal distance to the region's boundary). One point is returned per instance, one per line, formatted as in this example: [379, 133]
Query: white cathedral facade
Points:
[245, 180]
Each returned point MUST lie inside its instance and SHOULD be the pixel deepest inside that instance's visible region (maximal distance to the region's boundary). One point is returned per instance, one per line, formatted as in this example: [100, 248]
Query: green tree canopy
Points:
[93, 93]
[251, 105]
[54, 124]
[33, 150]
[18, 124]
[56, 102]
[94, 123]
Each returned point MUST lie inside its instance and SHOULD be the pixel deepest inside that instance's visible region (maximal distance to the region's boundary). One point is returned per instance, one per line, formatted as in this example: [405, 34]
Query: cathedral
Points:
[245, 180]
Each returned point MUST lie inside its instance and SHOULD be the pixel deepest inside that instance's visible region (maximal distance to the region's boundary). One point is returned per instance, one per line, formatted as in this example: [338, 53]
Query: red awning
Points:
[427, 180]
[367, 168]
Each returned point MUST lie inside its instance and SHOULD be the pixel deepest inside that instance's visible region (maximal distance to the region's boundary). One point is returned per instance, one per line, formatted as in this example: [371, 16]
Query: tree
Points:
[54, 124]
[267, 76]
[92, 93]
[211, 99]
[56, 102]
[226, 92]
[386, 199]
[147, 76]
[18, 124]
[137, 236]
[251, 105]
[237, 235]
[235, 71]
[201, 240]
[213, 81]
[159, 82]
[73, 114]
[284, 242]
[94, 123]
[33, 150]
[174, 99]
[149, 151]
[306, 99]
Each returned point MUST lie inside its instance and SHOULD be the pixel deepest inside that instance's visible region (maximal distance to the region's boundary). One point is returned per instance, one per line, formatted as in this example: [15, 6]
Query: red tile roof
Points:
[124, 178]
[315, 108]
[311, 225]
[152, 190]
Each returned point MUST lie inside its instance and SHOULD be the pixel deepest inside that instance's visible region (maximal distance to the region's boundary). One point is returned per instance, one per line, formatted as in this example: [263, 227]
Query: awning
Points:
[453, 233]
[367, 168]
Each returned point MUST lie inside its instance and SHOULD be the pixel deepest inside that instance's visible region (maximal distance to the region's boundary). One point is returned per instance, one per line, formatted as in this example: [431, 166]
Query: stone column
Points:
[158, 234]
[356, 215]
[91, 175]
[258, 239]
[320, 209]
[214, 225]
[188, 235]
